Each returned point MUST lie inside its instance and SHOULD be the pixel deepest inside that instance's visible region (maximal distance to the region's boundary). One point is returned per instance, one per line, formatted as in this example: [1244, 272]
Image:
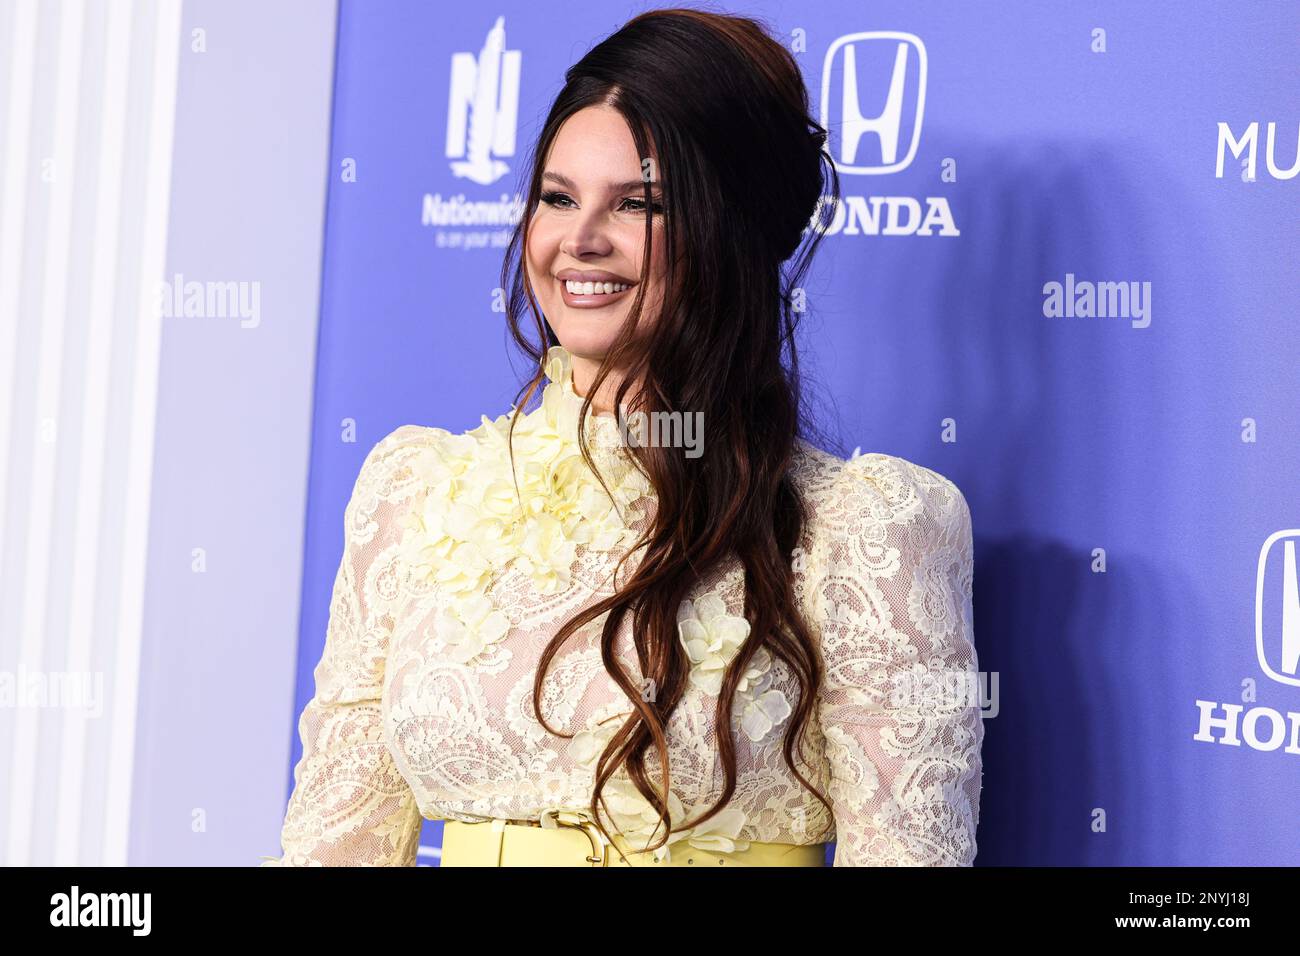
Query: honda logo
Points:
[869, 121]
[1277, 612]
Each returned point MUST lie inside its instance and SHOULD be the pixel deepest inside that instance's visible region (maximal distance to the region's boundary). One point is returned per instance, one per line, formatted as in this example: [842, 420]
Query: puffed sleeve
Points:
[899, 708]
[350, 804]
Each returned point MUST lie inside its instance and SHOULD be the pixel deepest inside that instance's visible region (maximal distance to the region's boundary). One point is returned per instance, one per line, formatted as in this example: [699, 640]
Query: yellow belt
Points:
[577, 842]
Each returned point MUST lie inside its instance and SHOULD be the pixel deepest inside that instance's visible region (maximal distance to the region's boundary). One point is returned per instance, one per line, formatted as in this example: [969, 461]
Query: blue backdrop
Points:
[1128, 465]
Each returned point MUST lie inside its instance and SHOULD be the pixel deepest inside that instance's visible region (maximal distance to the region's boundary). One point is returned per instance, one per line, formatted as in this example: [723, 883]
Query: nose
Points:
[587, 235]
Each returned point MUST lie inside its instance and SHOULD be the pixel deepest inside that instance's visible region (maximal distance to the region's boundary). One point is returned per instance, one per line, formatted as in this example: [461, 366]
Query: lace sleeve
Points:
[350, 804]
[902, 742]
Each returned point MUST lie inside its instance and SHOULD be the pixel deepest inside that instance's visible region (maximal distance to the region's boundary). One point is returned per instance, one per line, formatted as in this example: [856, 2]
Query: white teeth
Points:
[593, 288]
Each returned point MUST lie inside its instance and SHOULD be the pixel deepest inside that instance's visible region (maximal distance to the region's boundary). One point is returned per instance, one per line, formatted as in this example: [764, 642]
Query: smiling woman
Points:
[589, 236]
[726, 648]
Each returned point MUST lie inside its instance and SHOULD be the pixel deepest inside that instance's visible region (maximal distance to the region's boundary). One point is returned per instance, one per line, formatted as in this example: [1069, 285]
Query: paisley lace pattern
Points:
[450, 585]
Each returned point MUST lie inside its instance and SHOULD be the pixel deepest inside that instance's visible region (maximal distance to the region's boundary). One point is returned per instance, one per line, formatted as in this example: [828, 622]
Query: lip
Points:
[595, 300]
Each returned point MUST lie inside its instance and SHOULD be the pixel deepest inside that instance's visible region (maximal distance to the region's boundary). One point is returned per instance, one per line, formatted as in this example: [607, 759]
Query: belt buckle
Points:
[600, 855]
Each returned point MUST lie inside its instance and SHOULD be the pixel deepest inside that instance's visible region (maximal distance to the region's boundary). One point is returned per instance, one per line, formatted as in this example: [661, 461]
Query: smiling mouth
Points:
[593, 294]
[595, 288]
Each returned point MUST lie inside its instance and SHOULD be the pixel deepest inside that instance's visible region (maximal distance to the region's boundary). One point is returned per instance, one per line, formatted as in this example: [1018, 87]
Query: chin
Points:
[588, 339]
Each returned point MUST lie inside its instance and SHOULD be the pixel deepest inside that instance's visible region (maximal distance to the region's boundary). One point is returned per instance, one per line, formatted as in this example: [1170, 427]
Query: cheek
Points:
[543, 241]
[632, 247]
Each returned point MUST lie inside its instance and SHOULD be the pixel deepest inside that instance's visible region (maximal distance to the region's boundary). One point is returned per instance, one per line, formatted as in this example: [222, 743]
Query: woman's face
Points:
[590, 225]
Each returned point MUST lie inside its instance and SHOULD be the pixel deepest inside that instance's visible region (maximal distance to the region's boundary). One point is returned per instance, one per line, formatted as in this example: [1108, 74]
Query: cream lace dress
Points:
[448, 590]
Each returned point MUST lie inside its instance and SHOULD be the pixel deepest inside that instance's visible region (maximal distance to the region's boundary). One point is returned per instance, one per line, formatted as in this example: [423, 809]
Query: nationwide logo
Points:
[482, 117]
[483, 108]
[1277, 647]
[873, 106]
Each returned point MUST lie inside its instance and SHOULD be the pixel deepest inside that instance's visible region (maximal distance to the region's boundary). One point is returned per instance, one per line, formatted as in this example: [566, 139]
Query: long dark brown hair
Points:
[740, 164]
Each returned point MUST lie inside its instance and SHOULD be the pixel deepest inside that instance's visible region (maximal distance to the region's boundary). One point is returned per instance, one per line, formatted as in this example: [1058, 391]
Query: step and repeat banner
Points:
[1064, 275]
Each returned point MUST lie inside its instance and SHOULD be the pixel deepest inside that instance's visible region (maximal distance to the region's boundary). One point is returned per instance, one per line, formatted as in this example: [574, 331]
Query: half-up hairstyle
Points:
[742, 169]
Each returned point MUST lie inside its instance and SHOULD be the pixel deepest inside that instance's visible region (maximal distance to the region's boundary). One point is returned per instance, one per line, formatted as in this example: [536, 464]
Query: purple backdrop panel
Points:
[1064, 278]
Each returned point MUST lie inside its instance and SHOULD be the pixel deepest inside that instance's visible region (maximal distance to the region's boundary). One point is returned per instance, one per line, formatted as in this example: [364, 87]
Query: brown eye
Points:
[639, 205]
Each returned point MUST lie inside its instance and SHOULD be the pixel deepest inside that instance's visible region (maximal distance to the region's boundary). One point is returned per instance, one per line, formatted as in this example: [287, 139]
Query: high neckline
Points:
[559, 369]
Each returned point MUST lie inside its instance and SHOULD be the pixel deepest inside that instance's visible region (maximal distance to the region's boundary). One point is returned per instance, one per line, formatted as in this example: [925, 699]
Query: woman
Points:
[649, 622]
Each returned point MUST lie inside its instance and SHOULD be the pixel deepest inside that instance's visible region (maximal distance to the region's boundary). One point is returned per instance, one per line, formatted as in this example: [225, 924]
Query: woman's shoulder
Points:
[413, 457]
[885, 487]
[399, 445]
[393, 463]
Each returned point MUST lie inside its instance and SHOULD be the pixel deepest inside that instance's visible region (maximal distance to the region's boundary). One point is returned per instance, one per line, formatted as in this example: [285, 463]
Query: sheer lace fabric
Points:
[450, 586]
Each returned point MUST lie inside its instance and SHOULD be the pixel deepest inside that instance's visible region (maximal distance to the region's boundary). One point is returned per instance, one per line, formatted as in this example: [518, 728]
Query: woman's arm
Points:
[902, 740]
[350, 804]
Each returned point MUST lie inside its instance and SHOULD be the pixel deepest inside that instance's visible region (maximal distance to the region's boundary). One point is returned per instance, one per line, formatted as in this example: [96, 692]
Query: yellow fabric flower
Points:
[635, 818]
[546, 554]
[588, 744]
[711, 637]
[476, 514]
[640, 824]
[469, 626]
[759, 714]
[720, 833]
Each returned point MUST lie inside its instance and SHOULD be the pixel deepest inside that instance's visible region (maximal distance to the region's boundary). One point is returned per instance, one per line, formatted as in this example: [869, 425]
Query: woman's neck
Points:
[584, 373]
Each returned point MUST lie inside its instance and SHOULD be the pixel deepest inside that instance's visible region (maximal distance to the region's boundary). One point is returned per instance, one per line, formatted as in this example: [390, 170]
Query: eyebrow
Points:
[568, 183]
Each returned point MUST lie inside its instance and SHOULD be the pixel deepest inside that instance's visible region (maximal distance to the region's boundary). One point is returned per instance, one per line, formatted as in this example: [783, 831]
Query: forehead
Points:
[594, 148]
